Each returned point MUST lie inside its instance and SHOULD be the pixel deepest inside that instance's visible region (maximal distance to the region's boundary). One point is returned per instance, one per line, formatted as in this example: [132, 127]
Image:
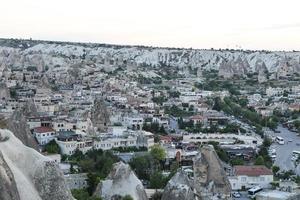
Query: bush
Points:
[237, 161]
[52, 147]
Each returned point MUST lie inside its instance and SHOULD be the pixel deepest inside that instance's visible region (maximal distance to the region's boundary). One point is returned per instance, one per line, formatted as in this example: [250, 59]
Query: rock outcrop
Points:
[209, 175]
[28, 174]
[210, 181]
[180, 187]
[59, 59]
[238, 67]
[17, 123]
[121, 181]
[100, 115]
[8, 185]
[4, 91]
[260, 66]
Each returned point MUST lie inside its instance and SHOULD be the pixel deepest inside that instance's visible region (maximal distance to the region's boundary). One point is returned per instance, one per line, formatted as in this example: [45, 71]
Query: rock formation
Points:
[209, 176]
[260, 66]
[210, 180]
[17, 123]
[27, 174]
[4, 91]
[121, 181]
[238, 67]
[8, 185]
[100, 115]
[180, 187]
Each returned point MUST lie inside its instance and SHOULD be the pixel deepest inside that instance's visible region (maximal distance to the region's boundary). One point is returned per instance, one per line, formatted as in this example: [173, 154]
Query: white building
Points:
[250, 176]
[145, 139]
[252, 141]
[69, 142]
[134, 122]
[44, 134]
[34, 122]
[274, 91]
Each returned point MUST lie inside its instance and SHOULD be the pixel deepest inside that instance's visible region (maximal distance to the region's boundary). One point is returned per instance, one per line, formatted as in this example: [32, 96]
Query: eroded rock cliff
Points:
[27, 174]
[121, 181]
[179, 187]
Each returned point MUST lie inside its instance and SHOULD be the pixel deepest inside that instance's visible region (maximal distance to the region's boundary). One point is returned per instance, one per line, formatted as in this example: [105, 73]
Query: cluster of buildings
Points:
[86, 107]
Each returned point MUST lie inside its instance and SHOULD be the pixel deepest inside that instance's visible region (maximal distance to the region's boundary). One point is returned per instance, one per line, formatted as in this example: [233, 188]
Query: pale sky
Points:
[250, 24]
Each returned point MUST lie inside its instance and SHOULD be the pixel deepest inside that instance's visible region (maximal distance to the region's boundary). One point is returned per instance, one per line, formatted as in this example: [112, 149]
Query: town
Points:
[113, 115]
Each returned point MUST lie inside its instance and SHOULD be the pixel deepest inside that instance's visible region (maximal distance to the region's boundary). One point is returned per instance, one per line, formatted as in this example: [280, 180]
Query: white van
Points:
[279, 140]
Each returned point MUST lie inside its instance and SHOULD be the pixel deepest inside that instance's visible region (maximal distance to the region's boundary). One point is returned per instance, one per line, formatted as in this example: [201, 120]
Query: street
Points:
[284, 152]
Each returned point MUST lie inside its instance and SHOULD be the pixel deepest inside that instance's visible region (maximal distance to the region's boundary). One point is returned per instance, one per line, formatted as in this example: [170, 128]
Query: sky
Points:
[247, 24]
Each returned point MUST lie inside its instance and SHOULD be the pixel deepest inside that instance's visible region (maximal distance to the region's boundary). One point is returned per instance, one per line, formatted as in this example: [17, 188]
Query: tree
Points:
[259, 161]
[156, 196]
[217, 104]
[72, 170]
[141, 165]
[92, 181]
[82, 194]
[52, 147]
[127, 197]
[275, 169]
[157, 180]
[158, 153]
[237, 161]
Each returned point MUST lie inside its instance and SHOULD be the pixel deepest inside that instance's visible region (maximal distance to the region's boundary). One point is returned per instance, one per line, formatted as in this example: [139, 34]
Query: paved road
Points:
[284, 152]
[244, 196]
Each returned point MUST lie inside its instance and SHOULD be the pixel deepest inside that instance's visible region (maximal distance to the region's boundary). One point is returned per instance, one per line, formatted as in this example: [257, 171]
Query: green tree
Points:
[157, 180]
[127, 197]
[92, 181]
[275, 169]
[156, 196]
[237, 161]
[82, 194]
[259, 161]
[217, 104]
[158, 153]
[52, 147]
[142, 166]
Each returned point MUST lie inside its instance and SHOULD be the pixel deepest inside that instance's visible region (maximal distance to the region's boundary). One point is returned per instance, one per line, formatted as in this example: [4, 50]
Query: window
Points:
[244, 179]
[262, 179]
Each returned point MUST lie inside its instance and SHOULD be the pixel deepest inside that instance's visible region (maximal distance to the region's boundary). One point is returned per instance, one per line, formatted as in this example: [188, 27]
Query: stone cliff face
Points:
[209, 182]
[63, 57]
[100, 115]
[180, 187]
[209, 175]
[231, 68]
[28, 175]
[17, 123]
[121, 181]
[8, 185]
[260, 66]
[4, 91]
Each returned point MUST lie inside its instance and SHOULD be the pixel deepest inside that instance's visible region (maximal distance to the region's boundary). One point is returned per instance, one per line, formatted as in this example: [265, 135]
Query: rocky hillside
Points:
[179, 187]
[121, 181]
[26, 174]
[209, 181]
[77, 58]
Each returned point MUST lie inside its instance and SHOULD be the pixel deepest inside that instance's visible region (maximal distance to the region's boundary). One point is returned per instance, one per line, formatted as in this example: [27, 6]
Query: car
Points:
[236, 194]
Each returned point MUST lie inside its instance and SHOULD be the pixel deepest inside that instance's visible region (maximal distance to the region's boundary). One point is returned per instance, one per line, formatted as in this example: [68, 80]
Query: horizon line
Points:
[148, 46]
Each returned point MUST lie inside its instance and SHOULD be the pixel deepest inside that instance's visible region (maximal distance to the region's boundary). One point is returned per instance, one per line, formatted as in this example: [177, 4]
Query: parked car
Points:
[236, 194]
